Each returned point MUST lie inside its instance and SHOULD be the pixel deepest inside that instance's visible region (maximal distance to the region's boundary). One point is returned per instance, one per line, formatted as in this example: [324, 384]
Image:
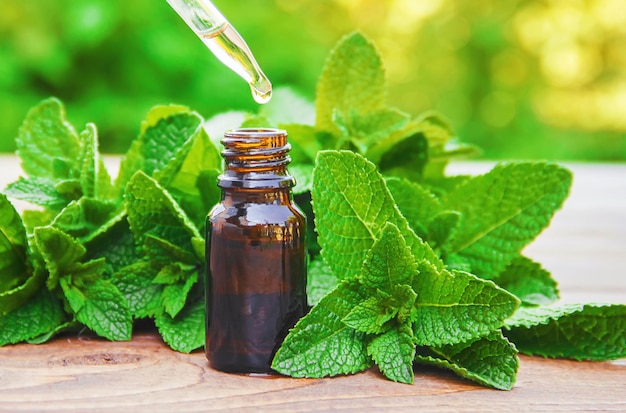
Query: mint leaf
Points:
[491, 360]
[321, 344]
[454, 307]
[371, 316]
[305, 143]
[47, 144]
[14, 266]
[288, 107]
[575, 331]
[83, 219]
[174, 296]
[143, 296]
[393, 353]
[43, 313]
[353, 79]
[416, 203]
[37, 191]
[320, 280]
[191, 177]
[186, 331]
[95, 180]
[303, 176]
[442, 228]
[153, 211]
[89, 156]
[389, 262]
[532, 284]
[60, 252]
[15, 297]
[162, 251]
[163, 135]
[352, 205]
[363, 130]
[100, 306]
[503, 210]
[388, 271]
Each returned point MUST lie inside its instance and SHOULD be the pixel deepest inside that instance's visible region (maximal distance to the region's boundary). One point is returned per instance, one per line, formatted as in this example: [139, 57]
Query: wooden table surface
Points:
[584, 248]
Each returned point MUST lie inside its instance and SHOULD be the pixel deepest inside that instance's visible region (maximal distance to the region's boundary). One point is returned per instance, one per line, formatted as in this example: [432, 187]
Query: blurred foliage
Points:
[519, 78]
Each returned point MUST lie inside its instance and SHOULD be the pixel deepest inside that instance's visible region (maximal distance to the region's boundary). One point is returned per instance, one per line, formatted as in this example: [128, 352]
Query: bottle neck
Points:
[256, 159]
[268, 196]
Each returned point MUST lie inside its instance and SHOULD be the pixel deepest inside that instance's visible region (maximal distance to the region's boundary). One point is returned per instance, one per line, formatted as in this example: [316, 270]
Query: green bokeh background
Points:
[521, 79]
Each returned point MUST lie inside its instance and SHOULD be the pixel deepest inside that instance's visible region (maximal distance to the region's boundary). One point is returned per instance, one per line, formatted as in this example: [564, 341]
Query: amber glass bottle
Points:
[256, 254]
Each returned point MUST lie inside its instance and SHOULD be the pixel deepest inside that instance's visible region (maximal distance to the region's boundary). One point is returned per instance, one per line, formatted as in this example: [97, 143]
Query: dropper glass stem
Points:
[227, 45]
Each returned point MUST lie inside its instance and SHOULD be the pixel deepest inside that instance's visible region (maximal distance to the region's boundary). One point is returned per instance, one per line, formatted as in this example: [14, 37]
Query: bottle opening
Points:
[256, 158]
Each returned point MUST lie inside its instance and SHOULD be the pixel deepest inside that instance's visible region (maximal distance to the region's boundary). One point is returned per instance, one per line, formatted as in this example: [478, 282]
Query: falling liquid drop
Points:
[261, 91]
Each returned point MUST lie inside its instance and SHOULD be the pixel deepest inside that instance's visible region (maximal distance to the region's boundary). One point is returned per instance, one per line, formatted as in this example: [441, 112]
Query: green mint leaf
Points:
[389, 262]
[186, 331]
[43, 338]
[401, 154]
[15, 297]
[95, 180]
[39, 315]
[220, 123]
[491, 360]
[153, 211]
[370, 316]
[196, 155]
[416, 203]
[115, 243]
[320, 280]
[574, 331]
[393, 353]
[442, 228]
[352, 205]
[174, 296]
[70, 189]
[454, 307]
[503, 210]
[37, 218]
[353, 79]
[14, 265]
[163, 135]
[160, 250]
[288, 107]
[363, 130]
[442, 146]
[532, 284]
[47, 144]
[160, 112]
[84, 219]
[303, 173]
[38, 191]
[89, 157]
[60, 252]
[143, 296]
[304, 141]
[100, 306]
[321, 344]
[191, 178]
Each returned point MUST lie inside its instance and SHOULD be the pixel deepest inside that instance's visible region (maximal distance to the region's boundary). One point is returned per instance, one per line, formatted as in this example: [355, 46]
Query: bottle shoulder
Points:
[253, 214]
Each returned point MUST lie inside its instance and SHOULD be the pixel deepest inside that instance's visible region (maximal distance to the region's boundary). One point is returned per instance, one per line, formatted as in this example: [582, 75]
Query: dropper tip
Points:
[261, 90]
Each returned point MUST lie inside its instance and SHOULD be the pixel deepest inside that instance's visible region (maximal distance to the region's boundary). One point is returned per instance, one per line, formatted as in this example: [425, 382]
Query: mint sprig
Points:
[407, 264]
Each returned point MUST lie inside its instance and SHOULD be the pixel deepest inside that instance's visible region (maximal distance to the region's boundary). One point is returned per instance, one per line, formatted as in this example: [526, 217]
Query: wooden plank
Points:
[583, 249]
[79, 374]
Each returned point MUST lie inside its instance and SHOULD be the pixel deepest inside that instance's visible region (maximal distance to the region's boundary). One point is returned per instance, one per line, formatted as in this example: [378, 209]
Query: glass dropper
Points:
[227, 45]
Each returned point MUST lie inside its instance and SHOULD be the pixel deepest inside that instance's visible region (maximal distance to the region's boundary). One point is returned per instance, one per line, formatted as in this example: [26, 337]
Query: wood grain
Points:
[583, 249]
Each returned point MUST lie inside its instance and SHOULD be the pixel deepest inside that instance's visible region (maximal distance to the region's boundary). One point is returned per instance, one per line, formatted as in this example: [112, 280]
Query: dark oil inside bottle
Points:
[256, 268]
